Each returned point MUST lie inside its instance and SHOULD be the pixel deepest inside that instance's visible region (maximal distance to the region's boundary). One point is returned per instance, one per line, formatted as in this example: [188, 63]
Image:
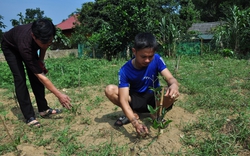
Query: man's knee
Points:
[110, 89]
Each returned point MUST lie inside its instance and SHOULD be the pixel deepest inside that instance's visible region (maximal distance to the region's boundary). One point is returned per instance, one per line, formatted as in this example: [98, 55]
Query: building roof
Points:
[68, 23]
[204, 28]
[206, 37]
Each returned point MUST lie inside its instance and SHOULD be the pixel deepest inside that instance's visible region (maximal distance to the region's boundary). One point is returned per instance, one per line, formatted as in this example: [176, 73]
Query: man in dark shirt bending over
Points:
[20, 46]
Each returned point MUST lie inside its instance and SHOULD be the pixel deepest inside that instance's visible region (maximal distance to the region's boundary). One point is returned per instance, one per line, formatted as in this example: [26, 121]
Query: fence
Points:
[189, 48]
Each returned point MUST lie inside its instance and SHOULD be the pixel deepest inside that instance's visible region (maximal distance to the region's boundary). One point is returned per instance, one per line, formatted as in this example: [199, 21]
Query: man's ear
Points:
[133, 50]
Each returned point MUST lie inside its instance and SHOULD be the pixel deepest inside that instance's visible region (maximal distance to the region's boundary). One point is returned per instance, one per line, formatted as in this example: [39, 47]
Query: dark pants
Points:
[140, 101]
[15, 63]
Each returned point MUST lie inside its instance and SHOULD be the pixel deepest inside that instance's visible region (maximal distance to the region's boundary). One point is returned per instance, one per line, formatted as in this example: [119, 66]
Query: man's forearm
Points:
[128, 111]
[48, 84]
[173, 81]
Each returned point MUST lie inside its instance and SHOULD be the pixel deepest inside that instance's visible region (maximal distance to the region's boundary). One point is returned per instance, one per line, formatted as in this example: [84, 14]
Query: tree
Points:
[213, 10]
[88, 24]
[119, 21]
[30, 16]
[125, 21]
[234, 33]
[188, 14]
[1, 23]
[169, 32]
[60, 40]
[1, 26]
[174, 25]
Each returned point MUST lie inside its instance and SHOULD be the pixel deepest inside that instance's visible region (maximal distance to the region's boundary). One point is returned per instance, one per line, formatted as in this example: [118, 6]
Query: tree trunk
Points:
[128, 53]
[93, 52]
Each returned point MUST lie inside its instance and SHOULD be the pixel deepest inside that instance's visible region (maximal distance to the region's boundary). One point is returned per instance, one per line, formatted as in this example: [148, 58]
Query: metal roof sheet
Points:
[204, 28]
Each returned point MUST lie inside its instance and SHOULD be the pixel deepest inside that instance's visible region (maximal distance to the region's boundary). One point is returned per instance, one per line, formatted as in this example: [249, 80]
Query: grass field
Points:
[214, 92]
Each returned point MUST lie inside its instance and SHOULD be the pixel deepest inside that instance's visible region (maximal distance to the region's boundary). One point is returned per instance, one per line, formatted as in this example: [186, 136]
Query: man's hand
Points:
[65, 101]
[141, 129]
[172, 91]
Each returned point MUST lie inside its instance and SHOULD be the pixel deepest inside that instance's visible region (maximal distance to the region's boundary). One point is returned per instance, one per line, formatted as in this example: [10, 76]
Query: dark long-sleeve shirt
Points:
[19, 40]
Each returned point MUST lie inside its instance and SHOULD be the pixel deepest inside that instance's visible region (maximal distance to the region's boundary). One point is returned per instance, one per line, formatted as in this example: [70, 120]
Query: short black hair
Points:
[145, 40]
[43, 30]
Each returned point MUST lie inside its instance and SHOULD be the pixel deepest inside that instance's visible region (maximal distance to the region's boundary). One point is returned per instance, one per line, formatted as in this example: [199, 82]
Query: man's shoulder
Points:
[20, 31]
[22, 27]
[157, 55]
[126, 65]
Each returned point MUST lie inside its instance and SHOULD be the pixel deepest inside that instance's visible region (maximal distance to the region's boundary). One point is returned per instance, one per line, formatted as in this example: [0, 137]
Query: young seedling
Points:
[159, 112]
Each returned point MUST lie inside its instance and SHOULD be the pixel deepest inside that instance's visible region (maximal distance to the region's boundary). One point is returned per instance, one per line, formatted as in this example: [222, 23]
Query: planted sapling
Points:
[159, 112]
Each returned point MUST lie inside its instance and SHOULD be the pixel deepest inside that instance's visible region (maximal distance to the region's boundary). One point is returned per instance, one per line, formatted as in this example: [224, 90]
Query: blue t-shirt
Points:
[139, 80]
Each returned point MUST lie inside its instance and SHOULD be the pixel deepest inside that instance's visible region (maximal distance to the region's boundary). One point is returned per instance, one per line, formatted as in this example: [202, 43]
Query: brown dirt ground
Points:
[101, 128]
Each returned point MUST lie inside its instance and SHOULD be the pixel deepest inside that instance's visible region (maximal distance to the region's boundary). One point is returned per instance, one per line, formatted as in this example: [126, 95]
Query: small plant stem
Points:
[79, 77]
[161, 102]
[6, 129]
[178, 58]
[62, 71]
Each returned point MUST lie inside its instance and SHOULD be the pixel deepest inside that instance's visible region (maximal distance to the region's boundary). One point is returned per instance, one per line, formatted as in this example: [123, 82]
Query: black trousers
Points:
[16, 65]
[139, 101]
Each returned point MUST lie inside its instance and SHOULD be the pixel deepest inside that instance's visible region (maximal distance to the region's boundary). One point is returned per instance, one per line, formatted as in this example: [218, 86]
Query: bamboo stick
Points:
[161, 102]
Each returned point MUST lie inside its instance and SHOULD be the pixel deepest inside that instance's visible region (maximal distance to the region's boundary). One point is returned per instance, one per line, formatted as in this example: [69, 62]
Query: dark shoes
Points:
[123, 120]
[50, 112]
[33, 122]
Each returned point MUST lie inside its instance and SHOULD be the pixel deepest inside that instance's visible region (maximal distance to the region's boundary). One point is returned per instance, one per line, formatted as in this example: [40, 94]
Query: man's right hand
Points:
[65, 101]
[141, 129]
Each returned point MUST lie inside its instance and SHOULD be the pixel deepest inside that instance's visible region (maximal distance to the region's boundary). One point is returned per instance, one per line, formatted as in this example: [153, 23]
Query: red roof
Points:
[68, 23]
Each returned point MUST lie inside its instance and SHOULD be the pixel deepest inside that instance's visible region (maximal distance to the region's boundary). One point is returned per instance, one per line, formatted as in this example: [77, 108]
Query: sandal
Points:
[49, 112]
[33, 122]
[123, 120]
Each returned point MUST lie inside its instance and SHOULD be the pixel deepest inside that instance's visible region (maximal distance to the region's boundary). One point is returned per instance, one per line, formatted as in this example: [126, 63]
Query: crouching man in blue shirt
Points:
[136, 77]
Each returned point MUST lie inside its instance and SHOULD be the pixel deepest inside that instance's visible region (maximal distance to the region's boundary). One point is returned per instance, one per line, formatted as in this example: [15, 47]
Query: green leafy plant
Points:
[227, 52]
[159, 122]
[159, 112]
